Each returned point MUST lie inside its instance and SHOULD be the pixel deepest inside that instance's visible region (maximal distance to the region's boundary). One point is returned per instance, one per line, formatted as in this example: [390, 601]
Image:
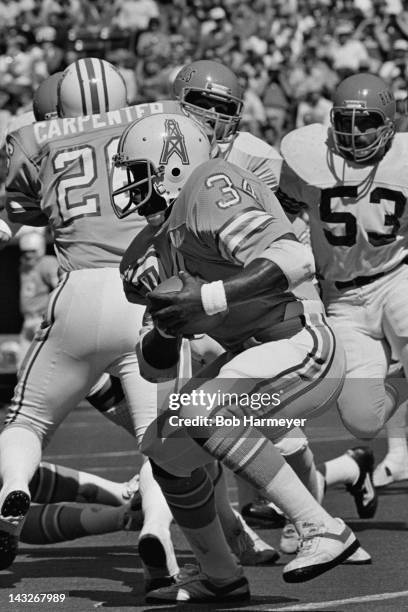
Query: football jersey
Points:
[357, 213]
[59, 174]
[223, 219]
[252, 153]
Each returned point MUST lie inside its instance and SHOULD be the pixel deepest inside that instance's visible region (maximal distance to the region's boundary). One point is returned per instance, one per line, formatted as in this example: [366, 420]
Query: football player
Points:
[246, 281]
[58, 175]
[210, 92]
[87, 235]
[352, 181]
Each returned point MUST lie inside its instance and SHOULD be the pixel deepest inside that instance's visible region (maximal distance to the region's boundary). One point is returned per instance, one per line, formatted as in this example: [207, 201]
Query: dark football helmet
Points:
[362, 117]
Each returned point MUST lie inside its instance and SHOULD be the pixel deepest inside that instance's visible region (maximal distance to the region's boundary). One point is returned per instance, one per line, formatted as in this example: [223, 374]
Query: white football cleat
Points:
[319, 551]
[290, 540]
[388, 472]
[360, 557]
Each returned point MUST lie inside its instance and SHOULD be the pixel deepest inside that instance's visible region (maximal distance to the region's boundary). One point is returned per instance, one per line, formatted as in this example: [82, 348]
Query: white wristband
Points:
[213, 298]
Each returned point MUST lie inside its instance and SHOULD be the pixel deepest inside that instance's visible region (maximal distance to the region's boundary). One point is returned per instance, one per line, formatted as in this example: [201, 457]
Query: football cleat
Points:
[319, 551]
[363, 491]
[387, 472]
[248, 547]
[262, 513]
[199, 588]
[360, 557]
[13, 511]
[152, 552]
[289, 542]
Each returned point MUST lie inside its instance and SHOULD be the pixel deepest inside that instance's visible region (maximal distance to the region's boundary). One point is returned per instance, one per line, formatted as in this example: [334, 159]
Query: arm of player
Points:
[289, 193]
[157, 354]
[281, 267]
[23, 188]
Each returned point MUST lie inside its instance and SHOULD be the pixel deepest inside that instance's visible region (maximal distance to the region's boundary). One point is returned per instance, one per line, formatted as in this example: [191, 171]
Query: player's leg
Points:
[244, 448]
[155, 545]
[395, 466]
[54, 483]
[51, 523]
[55, 376]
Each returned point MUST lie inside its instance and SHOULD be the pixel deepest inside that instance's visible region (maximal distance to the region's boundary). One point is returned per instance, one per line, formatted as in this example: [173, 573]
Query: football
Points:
[199, 324]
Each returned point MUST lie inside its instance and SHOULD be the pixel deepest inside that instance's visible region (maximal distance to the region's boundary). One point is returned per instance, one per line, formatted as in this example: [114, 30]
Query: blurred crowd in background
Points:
[289, 54]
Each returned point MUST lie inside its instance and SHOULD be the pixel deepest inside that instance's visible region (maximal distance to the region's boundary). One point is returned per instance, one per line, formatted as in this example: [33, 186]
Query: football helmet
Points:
[362, 117]
[89, 86]
[45, 98]
[159, 153]
[211, 93]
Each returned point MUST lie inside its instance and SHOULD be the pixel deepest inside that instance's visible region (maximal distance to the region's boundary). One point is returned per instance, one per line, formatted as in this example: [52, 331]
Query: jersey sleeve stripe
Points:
[231, 243]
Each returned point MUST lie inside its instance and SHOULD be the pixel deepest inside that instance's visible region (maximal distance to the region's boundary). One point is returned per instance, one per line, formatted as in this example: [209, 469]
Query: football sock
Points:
[302, 463]
[246, 451]
[157, 515]
[49, 523]
[226, 514]
[341, 470]
[55, 483]
[246, 493]
[191, 500]
[20, 454]
[396, 436]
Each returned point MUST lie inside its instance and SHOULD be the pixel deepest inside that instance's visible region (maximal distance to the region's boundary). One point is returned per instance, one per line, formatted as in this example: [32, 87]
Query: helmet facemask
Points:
[361, 134]
[218, 114]
[141, 191]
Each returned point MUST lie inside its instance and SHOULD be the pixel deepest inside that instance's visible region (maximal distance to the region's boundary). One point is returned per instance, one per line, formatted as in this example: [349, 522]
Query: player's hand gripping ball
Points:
[177, 309]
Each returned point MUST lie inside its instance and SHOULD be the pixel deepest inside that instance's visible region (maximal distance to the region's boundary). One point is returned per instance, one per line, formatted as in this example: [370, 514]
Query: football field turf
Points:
[104, 573]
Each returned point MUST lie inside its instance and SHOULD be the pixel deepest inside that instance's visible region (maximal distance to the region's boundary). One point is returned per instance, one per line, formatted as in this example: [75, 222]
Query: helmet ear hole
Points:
[159, 152]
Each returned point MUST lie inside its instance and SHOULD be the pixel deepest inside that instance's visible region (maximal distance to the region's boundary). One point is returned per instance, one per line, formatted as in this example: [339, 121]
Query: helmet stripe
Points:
[105, 86]
[93, 86]
[81, 88]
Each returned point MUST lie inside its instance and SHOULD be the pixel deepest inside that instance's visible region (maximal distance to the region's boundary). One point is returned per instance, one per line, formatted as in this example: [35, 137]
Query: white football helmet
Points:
[159, 153]
[90, 86]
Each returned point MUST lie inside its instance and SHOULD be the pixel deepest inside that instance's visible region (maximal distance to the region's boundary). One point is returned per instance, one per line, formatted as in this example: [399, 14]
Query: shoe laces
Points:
[308, 533]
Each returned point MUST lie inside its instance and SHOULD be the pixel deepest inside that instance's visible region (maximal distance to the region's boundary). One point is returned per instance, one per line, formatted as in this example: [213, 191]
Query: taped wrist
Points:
[213, 298]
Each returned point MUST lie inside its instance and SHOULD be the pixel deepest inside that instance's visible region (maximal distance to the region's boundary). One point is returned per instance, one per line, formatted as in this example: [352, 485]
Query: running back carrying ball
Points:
[198, 324]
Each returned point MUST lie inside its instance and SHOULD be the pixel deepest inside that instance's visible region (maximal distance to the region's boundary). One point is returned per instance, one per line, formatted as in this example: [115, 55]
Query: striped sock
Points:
[191, 500]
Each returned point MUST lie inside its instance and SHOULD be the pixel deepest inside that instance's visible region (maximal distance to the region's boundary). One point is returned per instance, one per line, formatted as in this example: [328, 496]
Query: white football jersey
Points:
[252, 153]
[358, 215]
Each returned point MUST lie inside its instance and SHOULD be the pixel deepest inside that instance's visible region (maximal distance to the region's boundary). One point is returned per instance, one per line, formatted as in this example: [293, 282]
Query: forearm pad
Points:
[158, 356]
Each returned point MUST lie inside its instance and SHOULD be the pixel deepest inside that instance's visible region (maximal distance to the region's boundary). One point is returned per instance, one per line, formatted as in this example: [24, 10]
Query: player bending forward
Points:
[228, 238]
